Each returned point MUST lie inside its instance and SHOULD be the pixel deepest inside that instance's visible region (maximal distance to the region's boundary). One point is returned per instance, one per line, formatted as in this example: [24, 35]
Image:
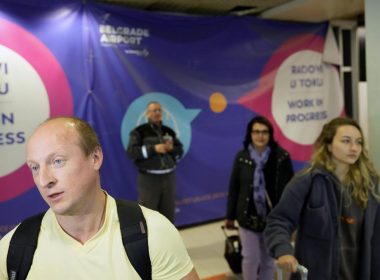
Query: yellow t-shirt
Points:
[60, 257]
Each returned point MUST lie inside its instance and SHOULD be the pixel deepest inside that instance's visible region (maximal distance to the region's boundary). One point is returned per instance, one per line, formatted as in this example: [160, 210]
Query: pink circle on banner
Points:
[260, 99]
[58, 89]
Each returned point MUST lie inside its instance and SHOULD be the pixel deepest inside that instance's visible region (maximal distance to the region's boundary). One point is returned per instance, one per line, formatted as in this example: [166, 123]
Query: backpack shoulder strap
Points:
[22, 246]
[134, 233]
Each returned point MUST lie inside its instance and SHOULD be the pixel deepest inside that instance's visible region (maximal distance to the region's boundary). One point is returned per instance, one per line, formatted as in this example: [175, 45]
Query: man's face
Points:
[154, 113]
[65, 177]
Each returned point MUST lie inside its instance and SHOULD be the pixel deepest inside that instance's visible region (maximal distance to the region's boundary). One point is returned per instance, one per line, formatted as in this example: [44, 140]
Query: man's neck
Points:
[82, 227]
[155, 123]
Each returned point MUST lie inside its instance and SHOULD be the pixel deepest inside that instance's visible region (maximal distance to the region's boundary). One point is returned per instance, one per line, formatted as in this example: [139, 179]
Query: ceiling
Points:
[290, 10]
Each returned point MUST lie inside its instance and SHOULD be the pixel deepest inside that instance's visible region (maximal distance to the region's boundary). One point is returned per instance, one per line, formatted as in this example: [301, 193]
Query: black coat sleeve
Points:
[135, 146]
[233, 191]
[375, 245]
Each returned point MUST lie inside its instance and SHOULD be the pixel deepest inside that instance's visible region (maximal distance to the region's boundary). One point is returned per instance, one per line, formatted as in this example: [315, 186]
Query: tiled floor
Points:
[205, 244]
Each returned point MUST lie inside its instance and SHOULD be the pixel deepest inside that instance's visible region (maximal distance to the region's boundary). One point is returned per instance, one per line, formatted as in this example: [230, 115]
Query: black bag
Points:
[255, 223]
[232, 251]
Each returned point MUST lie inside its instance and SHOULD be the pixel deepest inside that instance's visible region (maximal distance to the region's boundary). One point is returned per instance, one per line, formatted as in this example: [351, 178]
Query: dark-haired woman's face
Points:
[259, 136]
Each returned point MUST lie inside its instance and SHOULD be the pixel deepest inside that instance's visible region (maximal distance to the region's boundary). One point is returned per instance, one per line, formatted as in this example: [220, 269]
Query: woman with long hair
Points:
[334, 207]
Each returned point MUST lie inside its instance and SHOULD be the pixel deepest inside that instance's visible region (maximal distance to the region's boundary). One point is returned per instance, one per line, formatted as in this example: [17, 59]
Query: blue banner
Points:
[211, 74]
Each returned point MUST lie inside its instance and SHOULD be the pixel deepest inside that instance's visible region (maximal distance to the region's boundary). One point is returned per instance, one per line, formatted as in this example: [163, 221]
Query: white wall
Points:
[372, 23]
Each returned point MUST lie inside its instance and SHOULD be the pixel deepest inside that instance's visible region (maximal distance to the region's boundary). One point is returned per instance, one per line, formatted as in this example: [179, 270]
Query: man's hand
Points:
[160, 148]
[169, 146]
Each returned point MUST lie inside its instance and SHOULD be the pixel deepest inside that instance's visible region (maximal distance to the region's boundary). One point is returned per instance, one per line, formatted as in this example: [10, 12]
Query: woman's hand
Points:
[229, 224]
[287, 263]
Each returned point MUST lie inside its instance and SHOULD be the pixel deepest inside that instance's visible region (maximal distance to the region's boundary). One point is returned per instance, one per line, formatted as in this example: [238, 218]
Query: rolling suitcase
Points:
[232, 251]
[300, 269]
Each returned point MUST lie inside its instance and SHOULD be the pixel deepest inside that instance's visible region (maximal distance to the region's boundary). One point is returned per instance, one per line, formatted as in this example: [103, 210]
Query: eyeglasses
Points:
[262, 132]
[156, 110]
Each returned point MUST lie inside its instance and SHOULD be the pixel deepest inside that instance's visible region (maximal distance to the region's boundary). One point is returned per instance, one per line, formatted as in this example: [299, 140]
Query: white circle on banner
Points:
[24, 105]
[306, 94]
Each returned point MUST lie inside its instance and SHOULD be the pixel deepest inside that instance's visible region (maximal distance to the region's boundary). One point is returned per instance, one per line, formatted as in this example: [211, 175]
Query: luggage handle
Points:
[224, 228]
[303, 271]
[234, 244]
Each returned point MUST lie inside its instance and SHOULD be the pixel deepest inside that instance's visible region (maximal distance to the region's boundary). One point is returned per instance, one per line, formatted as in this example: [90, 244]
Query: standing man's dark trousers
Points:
[157, 192]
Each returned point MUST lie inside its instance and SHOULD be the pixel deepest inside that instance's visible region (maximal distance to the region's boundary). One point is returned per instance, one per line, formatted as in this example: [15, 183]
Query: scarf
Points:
[259, 180]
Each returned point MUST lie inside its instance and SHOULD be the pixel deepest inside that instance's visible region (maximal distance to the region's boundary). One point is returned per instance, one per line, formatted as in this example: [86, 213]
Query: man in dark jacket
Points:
[155, 150]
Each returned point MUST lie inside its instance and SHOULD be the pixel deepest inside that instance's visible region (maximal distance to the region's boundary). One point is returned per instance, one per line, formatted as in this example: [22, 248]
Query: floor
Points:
[205, 244]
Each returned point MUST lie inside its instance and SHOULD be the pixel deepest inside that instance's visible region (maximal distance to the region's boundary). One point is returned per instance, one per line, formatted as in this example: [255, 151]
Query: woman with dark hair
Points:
[334, 206]
[260, 172]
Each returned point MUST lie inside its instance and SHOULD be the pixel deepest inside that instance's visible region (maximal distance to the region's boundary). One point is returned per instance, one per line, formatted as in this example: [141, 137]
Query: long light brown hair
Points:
[359, 178]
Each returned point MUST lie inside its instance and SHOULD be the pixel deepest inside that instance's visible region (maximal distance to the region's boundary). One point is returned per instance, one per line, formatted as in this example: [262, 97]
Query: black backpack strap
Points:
[133, 229]
[22, 247]
[134, 233]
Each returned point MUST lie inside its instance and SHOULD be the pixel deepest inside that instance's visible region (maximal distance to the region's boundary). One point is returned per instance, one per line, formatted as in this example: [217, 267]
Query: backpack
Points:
[133, 232]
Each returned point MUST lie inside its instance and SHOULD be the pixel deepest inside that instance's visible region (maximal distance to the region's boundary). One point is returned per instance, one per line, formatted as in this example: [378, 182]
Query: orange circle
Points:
[218, 102]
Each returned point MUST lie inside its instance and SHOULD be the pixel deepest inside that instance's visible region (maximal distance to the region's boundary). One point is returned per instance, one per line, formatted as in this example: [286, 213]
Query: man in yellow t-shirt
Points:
[80, 236]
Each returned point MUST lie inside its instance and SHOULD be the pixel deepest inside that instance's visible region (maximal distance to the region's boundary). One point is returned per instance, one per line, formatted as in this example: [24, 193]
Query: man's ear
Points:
[97, 157]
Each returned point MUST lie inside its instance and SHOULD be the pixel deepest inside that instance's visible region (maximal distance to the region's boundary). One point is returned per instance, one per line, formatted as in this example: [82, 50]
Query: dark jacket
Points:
[278, 171]
[311, 204]
[149, 135]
